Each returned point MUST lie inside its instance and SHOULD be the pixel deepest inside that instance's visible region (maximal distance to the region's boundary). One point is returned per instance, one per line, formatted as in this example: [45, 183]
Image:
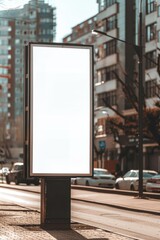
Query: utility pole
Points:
[141, 99]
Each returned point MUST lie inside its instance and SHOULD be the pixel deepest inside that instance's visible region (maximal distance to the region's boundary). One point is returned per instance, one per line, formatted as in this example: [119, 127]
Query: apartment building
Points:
[152, 78]
[116, 64]
[34, 22]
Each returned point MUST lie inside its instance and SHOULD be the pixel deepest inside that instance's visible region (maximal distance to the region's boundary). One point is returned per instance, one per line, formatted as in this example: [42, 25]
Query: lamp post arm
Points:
[136, 47]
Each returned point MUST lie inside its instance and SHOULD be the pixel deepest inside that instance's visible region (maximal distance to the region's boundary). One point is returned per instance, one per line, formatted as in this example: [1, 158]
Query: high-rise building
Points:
[35, 22]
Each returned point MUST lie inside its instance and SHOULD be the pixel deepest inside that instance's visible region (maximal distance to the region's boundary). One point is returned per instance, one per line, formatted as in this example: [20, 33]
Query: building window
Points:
[110, 47]
[151, 32]
[111, 23]
[107, 98]
[158, 36]
[3, 71]
[158, 9]
[102, 5]
[150, 6]
[110, 2]
[106, 74]
[151, 60]
[69, 38]
[150, 88]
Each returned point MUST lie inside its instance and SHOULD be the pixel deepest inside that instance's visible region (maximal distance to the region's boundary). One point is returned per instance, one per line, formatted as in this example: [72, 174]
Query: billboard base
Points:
[55, 203]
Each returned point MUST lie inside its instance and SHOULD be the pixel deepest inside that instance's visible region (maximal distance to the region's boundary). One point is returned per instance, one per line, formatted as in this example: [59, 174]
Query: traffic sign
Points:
[102, 145]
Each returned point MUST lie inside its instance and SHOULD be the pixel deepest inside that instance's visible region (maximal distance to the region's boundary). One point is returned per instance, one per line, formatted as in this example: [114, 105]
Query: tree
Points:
[121, 125]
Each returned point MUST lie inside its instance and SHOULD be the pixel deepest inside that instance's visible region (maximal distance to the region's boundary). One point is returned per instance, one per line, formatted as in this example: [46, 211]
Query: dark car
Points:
[16, 175]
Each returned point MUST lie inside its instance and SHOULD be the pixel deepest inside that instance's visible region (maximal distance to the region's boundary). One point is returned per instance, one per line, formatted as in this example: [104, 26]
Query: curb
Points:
[103, 190]
[119, 207]
[115, 191]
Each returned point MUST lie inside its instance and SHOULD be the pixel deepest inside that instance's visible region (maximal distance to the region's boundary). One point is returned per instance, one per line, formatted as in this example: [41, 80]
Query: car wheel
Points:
[36, 183]
[132, 188]
[117, 186]
[7, 180]
[87, 183]
[75, 182]
[16, 181]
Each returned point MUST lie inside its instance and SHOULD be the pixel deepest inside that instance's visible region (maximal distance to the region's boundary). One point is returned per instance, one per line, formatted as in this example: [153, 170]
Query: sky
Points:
[69, 12]
[72, 12]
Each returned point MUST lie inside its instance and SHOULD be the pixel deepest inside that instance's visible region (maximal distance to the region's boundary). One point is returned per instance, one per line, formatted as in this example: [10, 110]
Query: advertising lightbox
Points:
[60, 109]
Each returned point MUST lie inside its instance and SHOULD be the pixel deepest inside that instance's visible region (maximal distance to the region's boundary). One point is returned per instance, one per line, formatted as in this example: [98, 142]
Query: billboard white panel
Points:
[61, 109]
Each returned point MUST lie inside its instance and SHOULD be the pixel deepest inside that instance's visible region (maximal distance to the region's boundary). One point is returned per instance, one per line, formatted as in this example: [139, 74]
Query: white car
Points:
[130, 181]
[153, 184]
[101, 178]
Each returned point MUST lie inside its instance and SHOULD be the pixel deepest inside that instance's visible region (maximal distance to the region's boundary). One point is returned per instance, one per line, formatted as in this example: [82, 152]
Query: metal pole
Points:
[141, 102]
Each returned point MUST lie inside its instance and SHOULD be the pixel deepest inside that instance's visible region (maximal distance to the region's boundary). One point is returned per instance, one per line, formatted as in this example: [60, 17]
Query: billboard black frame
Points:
[28, 115]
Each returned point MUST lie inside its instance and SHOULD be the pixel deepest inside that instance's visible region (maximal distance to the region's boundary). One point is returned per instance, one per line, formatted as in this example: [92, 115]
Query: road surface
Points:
[132, 224]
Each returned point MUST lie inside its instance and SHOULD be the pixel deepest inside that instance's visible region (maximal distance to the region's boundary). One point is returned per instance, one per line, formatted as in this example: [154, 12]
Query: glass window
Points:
[110, 2]
[151, 59]
[111, 47]
[158, 9]
[17, 41]
[127, 174]
[107, 98]
[151, 32]
[18, 167]
[150, 6]
[133, 174]
[102, 5]
[158, 35]
[106, 74]
[111, 23]
[151, 88]
[3, 71]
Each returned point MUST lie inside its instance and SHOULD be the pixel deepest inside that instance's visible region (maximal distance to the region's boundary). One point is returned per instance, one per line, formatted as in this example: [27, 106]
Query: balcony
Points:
[107, 61]
[109, 11]
[106, 86]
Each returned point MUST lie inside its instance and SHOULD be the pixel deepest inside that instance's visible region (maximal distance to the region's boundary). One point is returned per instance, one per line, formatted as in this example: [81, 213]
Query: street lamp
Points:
[94, 31]
[139, 50]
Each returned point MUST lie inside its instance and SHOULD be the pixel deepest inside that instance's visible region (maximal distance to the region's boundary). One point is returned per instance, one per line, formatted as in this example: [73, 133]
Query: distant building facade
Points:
[35, 22]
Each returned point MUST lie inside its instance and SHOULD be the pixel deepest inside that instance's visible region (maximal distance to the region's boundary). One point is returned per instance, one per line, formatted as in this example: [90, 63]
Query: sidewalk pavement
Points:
[19, 223]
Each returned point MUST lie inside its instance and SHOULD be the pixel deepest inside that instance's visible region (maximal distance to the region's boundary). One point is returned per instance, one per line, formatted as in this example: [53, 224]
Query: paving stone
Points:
[17, 223]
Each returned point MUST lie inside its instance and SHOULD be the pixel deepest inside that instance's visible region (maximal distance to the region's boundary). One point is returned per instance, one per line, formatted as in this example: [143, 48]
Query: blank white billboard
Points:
[61, 109]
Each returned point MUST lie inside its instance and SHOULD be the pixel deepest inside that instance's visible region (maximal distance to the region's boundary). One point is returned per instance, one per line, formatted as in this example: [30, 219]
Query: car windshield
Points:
[131, 174]
[148, 175]
[135, 173]
[101, 172]
[18, 167]
[156, 176]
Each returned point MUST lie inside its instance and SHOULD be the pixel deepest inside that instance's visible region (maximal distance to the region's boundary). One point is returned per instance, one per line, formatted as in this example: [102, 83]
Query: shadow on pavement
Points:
[70, 235]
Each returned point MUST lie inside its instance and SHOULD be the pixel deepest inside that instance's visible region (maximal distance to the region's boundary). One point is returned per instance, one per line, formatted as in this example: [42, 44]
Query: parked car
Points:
[5, 170]
[16, 175]
[130, 181]
[101, 178]
[153, 184]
